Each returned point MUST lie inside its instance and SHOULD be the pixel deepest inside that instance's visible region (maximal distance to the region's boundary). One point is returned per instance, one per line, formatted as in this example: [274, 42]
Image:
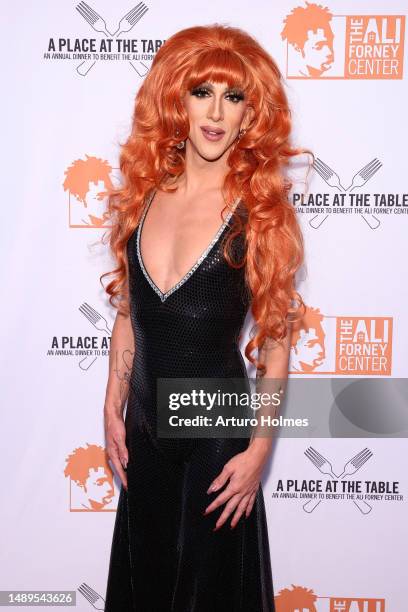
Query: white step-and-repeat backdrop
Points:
[338, 536]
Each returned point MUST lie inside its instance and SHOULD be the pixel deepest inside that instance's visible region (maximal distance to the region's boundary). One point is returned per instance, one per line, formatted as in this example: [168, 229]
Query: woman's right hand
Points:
[115, 433]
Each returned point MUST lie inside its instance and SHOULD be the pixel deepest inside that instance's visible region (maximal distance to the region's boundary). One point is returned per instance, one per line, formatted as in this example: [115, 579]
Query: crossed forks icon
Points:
[333, 180]
[100, 323]
[98, 23]
[92, 596]
[325, 467]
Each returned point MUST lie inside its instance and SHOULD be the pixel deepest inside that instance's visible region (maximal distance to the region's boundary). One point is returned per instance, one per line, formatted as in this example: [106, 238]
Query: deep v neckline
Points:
[164, 296]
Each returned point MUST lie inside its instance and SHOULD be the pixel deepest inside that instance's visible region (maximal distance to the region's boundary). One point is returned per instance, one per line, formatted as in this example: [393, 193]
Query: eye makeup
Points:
[236, 94]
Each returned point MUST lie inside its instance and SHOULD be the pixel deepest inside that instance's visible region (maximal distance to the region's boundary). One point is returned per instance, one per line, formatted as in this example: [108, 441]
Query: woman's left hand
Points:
[244, 472]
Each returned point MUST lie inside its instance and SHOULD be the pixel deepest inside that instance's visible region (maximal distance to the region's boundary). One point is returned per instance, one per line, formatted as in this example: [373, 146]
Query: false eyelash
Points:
[238, 95]
[199, 90]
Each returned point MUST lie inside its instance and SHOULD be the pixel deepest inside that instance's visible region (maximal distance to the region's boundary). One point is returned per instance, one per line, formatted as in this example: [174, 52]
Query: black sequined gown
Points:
[165, 556]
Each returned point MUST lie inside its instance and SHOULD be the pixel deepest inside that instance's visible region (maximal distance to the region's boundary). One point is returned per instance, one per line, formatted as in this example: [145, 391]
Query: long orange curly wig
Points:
[149, 159]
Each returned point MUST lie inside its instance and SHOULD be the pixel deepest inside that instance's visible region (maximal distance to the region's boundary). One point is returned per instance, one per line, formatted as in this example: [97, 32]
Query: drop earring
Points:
[179, 145]
[241, 133]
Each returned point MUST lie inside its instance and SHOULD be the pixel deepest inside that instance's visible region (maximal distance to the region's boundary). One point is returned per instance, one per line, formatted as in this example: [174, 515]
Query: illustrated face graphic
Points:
[99, 486]
[216, 113]
[318, 50]
[86, 180]
[94, 201]
[309, 348]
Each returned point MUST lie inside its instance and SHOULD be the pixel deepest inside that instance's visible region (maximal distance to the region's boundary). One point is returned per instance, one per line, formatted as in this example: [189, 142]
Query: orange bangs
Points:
[218, 66]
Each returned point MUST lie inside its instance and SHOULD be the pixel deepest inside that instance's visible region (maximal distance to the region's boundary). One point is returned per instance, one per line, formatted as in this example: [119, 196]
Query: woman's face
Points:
[216, 114]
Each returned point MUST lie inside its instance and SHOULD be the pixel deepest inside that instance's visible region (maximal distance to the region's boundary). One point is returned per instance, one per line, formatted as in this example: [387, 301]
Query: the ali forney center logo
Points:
[99, 40]
[341, 344]
[298, 598]
[85, 183]
[320, 44]
[91, 480]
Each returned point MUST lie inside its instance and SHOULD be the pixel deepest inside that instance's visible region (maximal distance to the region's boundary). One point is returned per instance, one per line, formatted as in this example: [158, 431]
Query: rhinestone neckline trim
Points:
[164, 296]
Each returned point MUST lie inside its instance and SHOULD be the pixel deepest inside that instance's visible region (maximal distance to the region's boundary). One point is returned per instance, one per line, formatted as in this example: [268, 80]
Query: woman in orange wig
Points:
[202, 233]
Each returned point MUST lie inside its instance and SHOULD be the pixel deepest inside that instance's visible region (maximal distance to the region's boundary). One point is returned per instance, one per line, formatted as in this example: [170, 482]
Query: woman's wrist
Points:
[112, 412]
[260, 446]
